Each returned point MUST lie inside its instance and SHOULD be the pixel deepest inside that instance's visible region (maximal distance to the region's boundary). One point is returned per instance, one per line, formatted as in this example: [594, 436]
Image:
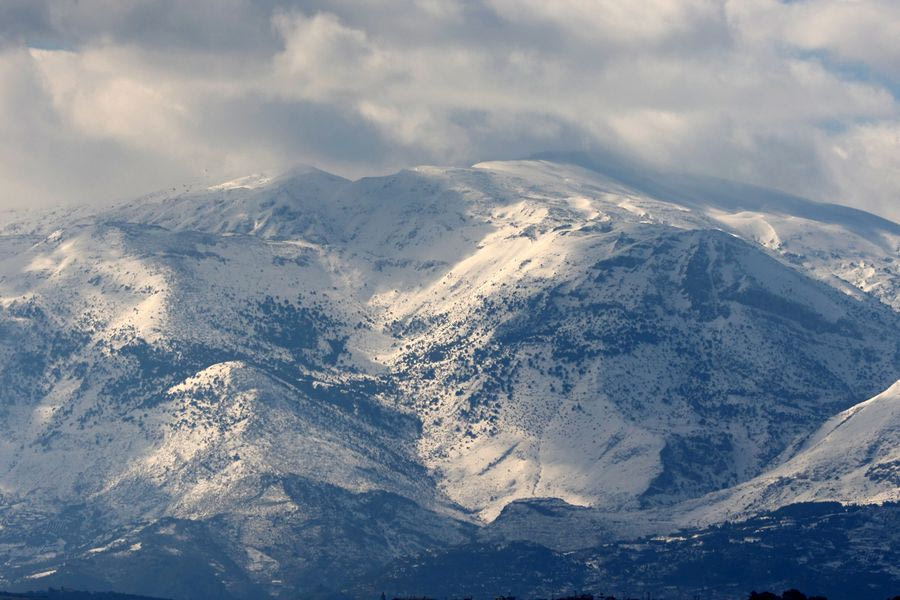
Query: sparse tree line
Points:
[791, 594]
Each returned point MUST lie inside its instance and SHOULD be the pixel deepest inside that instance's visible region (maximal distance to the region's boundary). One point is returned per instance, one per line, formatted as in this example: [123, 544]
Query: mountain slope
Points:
[854, 458]
[830, 241]
[542, 388]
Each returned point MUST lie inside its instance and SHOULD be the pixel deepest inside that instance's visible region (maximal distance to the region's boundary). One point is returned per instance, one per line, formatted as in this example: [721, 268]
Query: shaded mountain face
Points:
[301, 368]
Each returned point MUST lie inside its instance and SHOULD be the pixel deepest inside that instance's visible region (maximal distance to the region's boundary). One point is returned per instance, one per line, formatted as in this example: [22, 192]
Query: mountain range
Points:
[300, 383]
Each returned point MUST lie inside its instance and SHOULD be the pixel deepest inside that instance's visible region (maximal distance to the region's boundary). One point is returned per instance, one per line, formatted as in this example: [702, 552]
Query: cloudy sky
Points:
[102, 99]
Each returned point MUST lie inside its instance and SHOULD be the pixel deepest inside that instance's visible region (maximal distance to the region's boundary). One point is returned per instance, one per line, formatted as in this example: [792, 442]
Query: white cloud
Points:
[97, 94]
[864, 32]
[619, 25]
[797, 95]
[323, 59]
[865, 164]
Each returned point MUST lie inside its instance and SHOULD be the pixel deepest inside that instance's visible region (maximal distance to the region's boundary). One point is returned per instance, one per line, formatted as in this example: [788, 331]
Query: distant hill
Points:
[813, 547]
[63, 594]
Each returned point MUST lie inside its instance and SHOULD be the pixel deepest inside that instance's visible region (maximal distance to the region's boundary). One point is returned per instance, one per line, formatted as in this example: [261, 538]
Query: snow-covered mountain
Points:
[290, 368]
